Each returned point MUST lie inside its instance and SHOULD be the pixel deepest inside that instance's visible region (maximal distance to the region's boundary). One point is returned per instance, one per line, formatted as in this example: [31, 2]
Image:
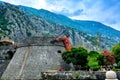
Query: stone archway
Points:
[9, 54]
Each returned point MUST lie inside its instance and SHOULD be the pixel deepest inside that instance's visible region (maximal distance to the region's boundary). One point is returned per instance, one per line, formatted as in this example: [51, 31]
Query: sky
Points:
[104, 11]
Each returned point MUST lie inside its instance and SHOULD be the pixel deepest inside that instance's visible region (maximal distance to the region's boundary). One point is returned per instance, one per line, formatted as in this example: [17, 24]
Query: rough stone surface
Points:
[28, 62]
[38, 41]
[5, 49]
[3, 66]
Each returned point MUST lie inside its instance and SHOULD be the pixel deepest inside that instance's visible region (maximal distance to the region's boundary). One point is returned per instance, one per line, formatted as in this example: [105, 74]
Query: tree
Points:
[101, 60]
[109, 57]
[116, 51]
[95, 59]
[93, 64]
[77, 56]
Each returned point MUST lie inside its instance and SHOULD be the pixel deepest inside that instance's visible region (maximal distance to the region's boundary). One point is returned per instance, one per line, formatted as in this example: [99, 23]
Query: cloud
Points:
[64, 5]
[12, 1]
[31, 3]
[105, 12]
[78, 12]
[66, 12]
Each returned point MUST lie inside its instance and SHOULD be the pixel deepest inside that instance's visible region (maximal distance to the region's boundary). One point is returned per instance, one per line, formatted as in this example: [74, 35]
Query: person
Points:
[108, 68]
[111, 75]
[60, 68]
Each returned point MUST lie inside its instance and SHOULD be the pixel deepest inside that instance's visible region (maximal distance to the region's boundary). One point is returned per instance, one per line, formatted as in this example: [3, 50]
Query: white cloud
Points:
[38, 4]
[12, 1]
[31, 3]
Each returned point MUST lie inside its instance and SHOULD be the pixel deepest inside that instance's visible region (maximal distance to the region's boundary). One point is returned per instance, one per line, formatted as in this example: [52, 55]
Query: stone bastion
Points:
[33, 56]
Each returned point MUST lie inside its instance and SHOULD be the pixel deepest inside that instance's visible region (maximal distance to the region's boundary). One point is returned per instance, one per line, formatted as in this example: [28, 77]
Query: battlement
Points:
[38, 41]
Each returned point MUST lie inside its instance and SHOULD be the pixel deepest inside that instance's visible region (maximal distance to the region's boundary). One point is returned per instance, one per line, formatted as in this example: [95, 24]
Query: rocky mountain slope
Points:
[19, 22]
[90, 27]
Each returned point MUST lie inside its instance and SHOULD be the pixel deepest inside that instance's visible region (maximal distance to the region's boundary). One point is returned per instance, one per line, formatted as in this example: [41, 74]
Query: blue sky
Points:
[105, 11]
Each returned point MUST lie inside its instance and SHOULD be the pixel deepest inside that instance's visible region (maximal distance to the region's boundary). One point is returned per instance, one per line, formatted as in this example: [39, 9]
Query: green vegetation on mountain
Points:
[3, 26]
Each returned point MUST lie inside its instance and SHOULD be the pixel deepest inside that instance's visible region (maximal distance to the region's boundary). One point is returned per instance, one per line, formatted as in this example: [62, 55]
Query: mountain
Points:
[17, 25]
[19, 22]
[106, 33]
[50, 16]
[91, 27]
[97, 27]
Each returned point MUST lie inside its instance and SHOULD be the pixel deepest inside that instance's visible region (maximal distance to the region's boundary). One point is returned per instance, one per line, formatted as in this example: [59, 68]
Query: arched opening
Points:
[9, 55]
[59, 51]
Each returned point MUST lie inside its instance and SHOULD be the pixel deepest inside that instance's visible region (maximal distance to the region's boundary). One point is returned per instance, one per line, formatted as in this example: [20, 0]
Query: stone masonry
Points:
[33, 56]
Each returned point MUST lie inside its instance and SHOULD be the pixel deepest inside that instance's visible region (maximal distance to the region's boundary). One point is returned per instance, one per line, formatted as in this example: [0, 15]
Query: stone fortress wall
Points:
[33, 56]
